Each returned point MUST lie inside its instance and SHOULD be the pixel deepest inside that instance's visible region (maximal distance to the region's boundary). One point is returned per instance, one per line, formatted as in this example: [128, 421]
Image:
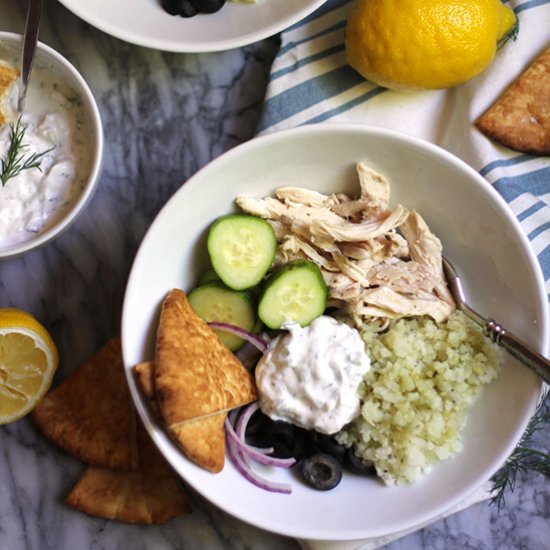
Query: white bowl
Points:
[479, 234]
[47, 59]
[145, 23]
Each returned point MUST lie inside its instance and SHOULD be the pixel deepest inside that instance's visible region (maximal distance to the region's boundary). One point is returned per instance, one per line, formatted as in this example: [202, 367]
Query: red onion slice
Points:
[240, 432]
[246, 471]
[255, 340]
[242, 423]
[246, 415]
[256, 453]
[240, 452]
[248, 449]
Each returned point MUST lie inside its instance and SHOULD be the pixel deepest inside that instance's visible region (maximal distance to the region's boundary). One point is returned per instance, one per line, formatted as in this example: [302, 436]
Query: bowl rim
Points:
[540, 307]
[97, 160]
[181, 46]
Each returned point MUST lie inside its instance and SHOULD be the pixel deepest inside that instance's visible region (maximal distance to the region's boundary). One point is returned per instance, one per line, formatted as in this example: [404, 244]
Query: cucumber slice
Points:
[295, 292]
[216, 302]
[242, 249]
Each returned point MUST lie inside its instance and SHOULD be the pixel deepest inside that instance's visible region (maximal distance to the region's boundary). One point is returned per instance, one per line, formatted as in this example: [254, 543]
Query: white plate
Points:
[480, 235]
[145, 23]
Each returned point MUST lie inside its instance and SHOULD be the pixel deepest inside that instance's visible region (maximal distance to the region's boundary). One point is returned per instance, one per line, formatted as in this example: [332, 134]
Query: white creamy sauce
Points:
[309, 376]
[36, 199]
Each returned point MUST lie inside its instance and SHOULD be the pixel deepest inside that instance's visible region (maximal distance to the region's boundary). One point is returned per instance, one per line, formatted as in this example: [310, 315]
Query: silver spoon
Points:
[34, 12]
[497, 333]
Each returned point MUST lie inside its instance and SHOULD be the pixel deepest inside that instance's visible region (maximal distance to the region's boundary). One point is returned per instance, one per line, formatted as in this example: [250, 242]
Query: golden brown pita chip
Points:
[90, 413]
[202, 440]
[520, 118]
[8, 74]
[145, 376]
[150, 495]
[195, 374]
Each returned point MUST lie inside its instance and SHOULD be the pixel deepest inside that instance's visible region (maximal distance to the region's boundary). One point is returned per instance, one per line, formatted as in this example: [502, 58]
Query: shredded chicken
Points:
[379, 262]
[425, 248]
[404, 277]
[344, 231]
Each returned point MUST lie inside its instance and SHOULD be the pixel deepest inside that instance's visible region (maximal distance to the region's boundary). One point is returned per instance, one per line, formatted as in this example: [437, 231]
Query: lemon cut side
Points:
[28, 361]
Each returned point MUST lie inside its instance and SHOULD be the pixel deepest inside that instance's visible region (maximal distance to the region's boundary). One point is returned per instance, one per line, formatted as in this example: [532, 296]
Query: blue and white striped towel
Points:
[311, 83]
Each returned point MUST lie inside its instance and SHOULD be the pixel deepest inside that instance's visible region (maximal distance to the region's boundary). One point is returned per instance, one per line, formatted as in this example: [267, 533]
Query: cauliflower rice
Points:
[423, 380]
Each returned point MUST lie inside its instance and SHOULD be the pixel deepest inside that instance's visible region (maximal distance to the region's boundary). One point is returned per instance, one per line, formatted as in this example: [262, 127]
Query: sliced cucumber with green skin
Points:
[242, 249]
[215, 302]
[296, 292]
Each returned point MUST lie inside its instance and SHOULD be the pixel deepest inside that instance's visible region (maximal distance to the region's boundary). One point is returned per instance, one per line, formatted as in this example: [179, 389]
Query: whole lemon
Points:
[425, 44]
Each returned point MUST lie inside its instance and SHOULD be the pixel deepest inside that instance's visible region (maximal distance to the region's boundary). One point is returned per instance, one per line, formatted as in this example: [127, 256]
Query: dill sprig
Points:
[15, 162]
[524, 458]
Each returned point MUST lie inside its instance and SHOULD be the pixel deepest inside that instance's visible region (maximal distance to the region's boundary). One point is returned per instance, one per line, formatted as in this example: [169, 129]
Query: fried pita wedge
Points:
[145, 376]
[90, 413]
[150, 495]
[8, 75]
[202, 440]
[195, 374]
[520, 118]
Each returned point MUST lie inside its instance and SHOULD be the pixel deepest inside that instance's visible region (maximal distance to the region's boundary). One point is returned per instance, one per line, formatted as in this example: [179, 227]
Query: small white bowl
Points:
[481, 237]
[64, 73]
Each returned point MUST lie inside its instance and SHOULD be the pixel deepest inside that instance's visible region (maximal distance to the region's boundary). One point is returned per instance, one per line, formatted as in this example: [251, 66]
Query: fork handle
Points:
[32, 25]
[518, 349]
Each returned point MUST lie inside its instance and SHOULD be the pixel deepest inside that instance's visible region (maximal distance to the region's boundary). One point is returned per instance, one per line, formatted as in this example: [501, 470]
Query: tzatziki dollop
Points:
[310, 376]
[34, 200]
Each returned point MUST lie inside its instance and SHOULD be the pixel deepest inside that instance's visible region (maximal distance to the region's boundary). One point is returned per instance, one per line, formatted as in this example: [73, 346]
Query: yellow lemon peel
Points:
[425, 44]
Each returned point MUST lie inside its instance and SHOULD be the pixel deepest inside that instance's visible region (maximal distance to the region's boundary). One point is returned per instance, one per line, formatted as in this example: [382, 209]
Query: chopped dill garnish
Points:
[524, 458]
[15, 162]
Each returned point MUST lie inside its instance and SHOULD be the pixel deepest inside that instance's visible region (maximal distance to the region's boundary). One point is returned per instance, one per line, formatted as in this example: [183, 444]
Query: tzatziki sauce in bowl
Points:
[50, 153]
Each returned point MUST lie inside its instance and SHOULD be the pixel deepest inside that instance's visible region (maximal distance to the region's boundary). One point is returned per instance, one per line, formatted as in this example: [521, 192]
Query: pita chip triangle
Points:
[201, 440]
[149, 495]
[520, 118]
[195, 374]
[90, 413]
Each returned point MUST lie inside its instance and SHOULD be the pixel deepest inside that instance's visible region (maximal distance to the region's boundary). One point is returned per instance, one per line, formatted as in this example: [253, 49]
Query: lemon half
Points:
[28, 361]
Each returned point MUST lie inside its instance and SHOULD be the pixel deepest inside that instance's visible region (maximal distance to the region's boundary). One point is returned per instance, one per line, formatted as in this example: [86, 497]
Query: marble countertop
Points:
[165, 115]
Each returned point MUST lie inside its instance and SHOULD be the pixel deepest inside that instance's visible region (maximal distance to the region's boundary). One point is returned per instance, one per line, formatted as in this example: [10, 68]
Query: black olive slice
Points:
[282, 436]
[321, 471]
[357, 465]
[327, 444]
[262, 431]
[187, 9]
[208, 6]
[257, 423]
[173, 7]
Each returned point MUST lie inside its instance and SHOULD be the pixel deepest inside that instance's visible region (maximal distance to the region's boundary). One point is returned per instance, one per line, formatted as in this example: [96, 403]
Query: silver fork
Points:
[497, 333]
[34, 13]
